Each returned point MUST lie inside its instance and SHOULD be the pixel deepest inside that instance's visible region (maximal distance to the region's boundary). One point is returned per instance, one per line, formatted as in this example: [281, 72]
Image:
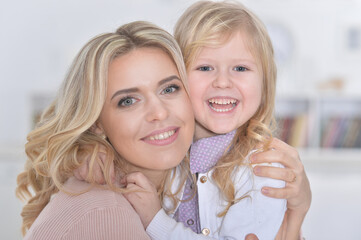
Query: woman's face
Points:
[147, 115]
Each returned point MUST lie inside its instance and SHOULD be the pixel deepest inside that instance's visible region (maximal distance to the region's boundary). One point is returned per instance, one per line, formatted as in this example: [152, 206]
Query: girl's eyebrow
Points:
[135, 89]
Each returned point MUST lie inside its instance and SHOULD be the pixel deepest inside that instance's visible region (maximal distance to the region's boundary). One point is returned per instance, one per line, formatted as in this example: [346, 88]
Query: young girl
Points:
[105, 100]
[231, 76]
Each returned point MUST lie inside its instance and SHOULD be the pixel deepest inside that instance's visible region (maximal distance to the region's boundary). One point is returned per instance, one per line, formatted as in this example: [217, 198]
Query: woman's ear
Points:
[97, 129]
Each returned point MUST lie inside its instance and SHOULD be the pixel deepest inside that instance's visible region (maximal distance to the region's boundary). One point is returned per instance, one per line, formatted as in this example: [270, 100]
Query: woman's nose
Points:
[156, 110]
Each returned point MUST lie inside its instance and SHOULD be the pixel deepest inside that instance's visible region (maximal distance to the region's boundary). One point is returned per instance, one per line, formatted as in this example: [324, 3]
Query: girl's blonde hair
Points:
[208, 23]
[63, 137]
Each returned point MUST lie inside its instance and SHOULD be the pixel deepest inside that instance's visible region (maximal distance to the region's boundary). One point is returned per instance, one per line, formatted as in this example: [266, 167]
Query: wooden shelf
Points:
[323, 127]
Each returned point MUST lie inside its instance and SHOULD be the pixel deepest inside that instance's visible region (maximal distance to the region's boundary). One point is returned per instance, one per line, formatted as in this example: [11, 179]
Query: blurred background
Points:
[318, 51]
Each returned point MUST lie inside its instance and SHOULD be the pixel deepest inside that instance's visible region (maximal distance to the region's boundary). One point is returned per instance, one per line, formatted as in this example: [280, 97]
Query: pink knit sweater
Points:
[96, 214]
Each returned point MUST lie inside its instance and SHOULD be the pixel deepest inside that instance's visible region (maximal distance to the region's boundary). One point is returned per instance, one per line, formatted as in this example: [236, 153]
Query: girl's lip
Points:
[151, 138]
[222, 104]
[223, 97]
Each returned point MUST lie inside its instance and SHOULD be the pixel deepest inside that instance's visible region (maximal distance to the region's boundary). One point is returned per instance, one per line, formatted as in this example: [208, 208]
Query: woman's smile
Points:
[147, 116]
[162, 137]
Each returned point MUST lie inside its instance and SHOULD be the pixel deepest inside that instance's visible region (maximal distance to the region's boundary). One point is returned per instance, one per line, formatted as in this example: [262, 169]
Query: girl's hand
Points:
[143, 196]
[82, 173]
[297, 190]
[251, 237]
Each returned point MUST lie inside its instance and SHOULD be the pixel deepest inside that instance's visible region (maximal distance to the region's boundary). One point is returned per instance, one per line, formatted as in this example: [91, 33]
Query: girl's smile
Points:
[223, 104]
[225, 86]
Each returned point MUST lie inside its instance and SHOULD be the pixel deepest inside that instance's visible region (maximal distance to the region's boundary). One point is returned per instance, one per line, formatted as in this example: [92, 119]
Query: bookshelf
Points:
[322, 127]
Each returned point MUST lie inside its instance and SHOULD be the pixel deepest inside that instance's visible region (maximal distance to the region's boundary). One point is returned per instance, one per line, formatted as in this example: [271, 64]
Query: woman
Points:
[125, 92]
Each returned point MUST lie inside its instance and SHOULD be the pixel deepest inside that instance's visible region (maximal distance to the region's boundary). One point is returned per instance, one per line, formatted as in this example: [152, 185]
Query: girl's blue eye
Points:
[126, 102]
[240, 69]
[170, 89]
[205, 68]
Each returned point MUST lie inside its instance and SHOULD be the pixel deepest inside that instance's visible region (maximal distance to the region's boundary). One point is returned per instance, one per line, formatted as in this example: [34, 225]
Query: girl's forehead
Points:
[222, 38]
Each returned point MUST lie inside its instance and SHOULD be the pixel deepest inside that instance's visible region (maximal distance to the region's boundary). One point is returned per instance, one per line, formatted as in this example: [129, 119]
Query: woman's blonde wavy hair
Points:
[63, 137]
[208, 23]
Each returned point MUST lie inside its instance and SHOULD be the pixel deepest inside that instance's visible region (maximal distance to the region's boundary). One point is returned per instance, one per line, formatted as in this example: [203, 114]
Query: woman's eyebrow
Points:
[168, 79]
[135, 89]
[123, 91]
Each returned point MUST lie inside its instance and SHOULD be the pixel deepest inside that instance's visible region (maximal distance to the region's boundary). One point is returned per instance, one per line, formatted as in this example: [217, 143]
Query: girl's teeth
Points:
[219, 102]
[222, 101]
[162, 136]
[221, 110]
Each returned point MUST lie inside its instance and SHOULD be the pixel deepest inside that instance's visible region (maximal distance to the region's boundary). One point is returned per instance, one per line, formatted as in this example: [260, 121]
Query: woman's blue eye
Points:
[170, 89]
[126, 102]
[240, 69]
[205, 68]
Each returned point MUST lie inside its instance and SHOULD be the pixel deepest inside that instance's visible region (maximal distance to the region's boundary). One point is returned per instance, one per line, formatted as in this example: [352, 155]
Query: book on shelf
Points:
[341, 132]
[293, 130]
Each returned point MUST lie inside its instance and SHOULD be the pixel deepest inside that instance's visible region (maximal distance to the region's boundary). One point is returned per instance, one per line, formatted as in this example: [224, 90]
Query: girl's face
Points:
[147, 114]
[225, 87]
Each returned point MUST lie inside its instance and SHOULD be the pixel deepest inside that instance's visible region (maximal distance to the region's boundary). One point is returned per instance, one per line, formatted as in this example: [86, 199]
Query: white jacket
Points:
[256, 214]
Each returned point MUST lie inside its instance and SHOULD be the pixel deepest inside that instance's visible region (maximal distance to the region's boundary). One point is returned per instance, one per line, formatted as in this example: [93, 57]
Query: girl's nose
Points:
[222, 80]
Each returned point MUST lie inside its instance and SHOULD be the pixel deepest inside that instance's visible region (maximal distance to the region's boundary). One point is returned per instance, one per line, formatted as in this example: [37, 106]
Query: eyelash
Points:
[203, 68]
[134, 100]
[243, 68]
[122, 101]
[176, 88]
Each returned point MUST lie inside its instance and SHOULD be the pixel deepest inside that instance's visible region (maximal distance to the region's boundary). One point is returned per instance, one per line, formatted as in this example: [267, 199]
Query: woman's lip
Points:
[162, 142]
[156, 132]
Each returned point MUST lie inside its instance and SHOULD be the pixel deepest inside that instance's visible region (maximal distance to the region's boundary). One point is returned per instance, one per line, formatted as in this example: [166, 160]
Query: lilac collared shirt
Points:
[204, 155]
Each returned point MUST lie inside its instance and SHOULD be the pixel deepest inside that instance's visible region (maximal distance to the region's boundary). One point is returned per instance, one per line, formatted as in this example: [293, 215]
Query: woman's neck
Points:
[156, 177]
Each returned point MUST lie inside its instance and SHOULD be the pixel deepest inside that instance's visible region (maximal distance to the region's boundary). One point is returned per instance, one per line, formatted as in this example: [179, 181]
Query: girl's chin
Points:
[222, 130]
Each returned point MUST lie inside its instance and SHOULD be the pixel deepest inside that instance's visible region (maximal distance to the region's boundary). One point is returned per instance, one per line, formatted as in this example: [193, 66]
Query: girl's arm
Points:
[258, 214]
[297, 190]
[146, 203]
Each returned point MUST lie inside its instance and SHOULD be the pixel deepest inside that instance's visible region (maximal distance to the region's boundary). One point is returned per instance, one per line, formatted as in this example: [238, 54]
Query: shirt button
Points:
[190, 222]
[205, 231]
[203, 179]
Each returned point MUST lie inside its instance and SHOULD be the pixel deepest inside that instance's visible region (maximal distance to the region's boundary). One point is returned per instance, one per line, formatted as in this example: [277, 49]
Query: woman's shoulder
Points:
[79, 213]
[81, 192]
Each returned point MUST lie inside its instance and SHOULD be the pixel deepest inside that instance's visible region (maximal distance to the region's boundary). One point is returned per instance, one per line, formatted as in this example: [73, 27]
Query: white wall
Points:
[39, 38]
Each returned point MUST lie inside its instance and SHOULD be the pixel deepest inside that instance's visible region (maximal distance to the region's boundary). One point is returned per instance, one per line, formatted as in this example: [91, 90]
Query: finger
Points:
[280, 193]
[103, 158]
[77, 175]
[280, 145]
[112, 172]
[132, 196]
[98, 173]
[132, 189]
[83, 170]
[251, 237]
[284, 174]
[139, 179]
[271, 156]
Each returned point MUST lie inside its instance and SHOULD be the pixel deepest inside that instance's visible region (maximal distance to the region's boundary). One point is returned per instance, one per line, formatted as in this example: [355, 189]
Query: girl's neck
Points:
[202, 132]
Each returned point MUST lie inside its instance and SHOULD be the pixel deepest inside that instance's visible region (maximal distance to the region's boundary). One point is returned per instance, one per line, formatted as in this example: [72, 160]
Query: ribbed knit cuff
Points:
[160, 226]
